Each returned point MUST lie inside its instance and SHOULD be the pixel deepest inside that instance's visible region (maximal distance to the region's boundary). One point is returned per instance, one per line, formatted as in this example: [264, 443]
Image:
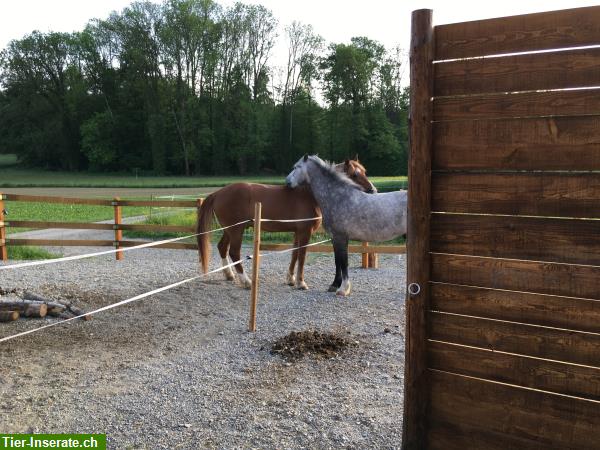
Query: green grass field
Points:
[29, 253]
[12, 176]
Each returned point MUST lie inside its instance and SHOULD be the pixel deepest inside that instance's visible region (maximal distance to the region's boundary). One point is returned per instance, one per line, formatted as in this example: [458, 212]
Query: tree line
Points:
[188, 87]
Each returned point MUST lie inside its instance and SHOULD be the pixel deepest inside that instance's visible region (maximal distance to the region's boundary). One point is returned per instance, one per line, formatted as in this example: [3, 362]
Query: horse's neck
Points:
[320, 185]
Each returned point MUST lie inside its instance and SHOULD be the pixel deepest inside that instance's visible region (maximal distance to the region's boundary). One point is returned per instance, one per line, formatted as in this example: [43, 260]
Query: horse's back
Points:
[235, 202]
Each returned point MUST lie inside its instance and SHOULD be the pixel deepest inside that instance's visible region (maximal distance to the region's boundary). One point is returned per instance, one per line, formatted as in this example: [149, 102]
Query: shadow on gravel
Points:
[298, 344]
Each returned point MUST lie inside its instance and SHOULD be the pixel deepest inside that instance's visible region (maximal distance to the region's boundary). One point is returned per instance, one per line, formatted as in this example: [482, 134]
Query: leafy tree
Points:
[188, 87]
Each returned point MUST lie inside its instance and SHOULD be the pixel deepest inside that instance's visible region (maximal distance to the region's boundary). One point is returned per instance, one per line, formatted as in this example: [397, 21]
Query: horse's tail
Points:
[205, 219]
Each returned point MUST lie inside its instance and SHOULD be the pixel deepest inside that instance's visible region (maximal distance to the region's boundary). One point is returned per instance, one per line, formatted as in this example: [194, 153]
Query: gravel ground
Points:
[180, 370]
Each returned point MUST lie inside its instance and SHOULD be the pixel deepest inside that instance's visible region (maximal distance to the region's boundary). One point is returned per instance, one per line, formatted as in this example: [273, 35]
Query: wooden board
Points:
[63, 242]
[530, 238]
[65, 200]
[526, 72]
[445, 436]
[171, 245]
[535, 373]
[321, 248]
[91, 201]
[164, 228]
[99, 226]
[62, 225]
[527, 276]
[548, 310]
[562, 143]
[539, 31]
[96, 243]
[160, 203]
[542, 342]
[523, 104]
[490, 412]
[532, 194]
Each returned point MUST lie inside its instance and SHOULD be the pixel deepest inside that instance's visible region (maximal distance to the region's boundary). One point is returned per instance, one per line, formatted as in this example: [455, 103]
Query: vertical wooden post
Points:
[365, 256]
[373, 260]
[416, 388]
[118, 233]
[255, 266]
[3, 249]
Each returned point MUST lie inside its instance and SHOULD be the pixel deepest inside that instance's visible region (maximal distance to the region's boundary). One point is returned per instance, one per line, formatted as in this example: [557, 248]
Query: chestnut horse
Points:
[235, 203]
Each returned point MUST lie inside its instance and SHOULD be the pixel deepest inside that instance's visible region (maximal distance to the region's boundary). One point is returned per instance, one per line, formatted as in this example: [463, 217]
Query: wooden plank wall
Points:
[513, 350]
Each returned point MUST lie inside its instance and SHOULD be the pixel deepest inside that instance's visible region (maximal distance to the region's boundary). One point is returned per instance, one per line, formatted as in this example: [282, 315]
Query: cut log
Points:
[55, 309]
[79, 312]
[26, 307]
[28, 295]
[36, 310]
[9, 316]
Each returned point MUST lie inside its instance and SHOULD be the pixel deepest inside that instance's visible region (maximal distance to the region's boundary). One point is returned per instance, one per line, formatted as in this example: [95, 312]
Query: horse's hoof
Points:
[344, 291]
[291, 280]
[333, 288]
[302, 286]
[229, 277]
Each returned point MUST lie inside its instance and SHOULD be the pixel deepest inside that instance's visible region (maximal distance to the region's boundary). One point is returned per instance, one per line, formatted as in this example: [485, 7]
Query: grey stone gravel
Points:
[180, 370]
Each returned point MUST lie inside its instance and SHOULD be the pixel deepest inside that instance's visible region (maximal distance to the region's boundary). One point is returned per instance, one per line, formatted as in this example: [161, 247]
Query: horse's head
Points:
[357, 173]
[299, 175]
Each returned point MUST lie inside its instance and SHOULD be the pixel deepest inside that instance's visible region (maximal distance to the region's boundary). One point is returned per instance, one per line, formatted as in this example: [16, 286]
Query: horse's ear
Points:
[356, 157]
[346, 163]
[305, 157]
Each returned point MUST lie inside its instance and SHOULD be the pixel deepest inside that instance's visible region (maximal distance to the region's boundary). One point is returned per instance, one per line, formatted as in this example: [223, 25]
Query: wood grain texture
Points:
[96, 243]
[532, 194]
[3, 249]
[546, 375]
[64, 200]
[527, 72]
[547, 310]
[548, 343]
[528, 276]
[528, 32]
[445, 436]
[419, 200]
[62, 225]
[523, 104]
[561, 143]
[160, 203]
[530, 238]
[387, 249]
[487, 411]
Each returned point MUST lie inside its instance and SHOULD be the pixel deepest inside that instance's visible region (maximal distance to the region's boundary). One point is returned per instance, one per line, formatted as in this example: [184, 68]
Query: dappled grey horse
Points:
[348, 213]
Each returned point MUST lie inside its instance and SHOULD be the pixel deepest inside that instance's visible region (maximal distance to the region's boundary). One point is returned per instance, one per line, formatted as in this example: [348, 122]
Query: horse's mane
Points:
[329, 170]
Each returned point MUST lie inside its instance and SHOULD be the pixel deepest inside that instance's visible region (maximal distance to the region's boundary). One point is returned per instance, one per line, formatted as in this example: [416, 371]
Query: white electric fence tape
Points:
[108, 252]
[122, 302]
[147, 294]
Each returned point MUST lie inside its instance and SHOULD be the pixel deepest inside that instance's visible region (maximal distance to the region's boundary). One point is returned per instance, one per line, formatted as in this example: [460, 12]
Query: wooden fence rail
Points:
[368, 252]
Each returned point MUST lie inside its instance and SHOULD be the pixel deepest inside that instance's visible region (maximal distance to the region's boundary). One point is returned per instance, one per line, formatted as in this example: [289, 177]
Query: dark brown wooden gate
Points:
[503, 339]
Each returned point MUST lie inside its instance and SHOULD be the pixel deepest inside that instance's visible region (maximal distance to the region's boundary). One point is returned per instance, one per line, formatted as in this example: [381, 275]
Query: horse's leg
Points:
[303, 239]
[337, 281]
[340, 247]
[223, 247]
[235, 246]
[290, 279]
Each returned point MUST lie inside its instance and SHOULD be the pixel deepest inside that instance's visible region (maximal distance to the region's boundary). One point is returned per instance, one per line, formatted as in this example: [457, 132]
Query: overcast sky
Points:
[387, 21]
